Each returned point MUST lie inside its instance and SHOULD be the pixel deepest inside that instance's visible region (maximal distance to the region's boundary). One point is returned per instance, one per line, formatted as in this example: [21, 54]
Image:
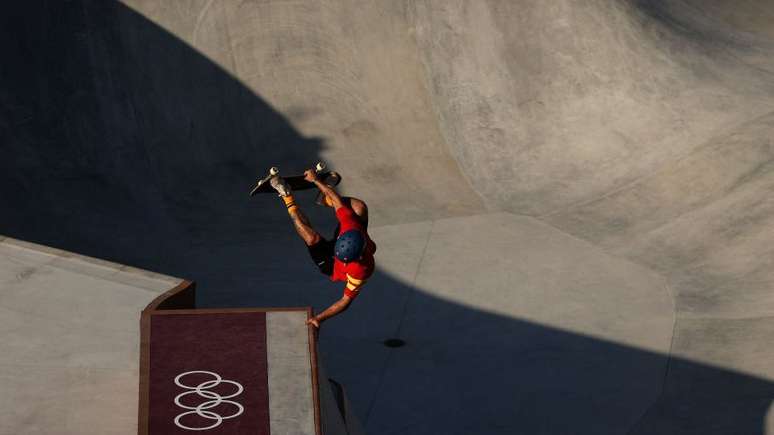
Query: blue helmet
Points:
[350, 246]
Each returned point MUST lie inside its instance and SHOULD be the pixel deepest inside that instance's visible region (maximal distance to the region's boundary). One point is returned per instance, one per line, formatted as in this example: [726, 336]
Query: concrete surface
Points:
[572, 200]
[289, 369]
[69, 357]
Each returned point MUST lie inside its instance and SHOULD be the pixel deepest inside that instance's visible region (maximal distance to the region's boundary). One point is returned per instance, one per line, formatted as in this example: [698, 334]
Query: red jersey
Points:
[354, 272]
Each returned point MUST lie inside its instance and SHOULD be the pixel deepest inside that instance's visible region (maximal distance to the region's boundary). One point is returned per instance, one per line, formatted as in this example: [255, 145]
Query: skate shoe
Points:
[332, 179]
[280, 185]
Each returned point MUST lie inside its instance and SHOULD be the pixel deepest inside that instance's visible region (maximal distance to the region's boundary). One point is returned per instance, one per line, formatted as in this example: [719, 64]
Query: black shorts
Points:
[322, 255]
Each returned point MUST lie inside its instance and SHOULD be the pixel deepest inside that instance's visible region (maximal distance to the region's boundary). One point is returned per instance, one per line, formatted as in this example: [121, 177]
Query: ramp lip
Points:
[183, 296]
[90, 266]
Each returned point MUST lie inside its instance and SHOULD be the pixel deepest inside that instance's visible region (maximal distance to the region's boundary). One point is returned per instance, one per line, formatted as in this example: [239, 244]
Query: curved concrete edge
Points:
[182, 296]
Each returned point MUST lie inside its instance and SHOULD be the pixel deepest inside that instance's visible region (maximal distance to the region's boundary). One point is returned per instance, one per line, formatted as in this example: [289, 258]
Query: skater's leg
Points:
[301, 222]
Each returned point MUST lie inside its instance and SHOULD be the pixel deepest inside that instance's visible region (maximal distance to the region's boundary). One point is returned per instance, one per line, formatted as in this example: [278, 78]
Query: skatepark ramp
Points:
[78, 343]
[266, 358]
[572, 200]
[70, 348]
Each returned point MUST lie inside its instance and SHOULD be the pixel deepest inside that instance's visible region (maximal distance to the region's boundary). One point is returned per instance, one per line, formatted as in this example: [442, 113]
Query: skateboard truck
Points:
[273, 172]
[332, 179]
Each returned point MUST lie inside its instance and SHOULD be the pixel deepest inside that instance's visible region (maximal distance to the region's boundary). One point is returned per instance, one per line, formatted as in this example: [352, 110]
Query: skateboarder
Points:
[349, 258]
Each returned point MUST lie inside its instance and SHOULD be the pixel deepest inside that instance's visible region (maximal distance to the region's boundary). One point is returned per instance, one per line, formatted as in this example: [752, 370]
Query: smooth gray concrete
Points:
[69, 354]
[460, 358]
[572, 200]
[291, 408]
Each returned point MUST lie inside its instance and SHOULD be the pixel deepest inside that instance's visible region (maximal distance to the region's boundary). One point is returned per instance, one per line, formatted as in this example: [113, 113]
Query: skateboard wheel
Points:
[273, 170]
[320, 166]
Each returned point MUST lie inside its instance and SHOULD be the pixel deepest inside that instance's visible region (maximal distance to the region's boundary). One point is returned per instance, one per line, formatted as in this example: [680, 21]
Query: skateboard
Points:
[296, 182]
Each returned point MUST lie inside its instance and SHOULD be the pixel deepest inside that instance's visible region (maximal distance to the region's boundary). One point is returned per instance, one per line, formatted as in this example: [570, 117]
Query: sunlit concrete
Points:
[69, 357]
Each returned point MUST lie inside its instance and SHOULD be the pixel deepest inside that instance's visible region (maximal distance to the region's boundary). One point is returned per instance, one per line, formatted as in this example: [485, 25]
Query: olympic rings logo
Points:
[204, 409]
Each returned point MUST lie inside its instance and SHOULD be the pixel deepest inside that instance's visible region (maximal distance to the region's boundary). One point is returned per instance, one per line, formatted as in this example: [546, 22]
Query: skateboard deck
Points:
[295, 182]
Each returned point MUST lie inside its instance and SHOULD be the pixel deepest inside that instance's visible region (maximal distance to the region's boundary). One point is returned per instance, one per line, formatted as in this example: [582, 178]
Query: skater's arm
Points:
[337, 307]
[330, 193]
[311, 176]
[350, 293]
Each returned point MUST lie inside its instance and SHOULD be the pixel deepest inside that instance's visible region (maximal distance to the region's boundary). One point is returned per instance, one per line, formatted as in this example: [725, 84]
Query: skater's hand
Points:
[314, 322]
[310, 175]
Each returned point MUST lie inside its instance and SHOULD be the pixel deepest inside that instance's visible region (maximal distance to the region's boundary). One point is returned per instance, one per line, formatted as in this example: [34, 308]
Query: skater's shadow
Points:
[119, 141]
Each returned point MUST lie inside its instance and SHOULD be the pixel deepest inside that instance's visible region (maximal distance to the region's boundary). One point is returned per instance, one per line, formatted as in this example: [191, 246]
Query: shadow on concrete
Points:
[121, 142]
[465, 371]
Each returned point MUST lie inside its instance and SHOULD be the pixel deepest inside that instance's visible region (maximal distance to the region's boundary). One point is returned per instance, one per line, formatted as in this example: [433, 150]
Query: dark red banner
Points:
[208, 374]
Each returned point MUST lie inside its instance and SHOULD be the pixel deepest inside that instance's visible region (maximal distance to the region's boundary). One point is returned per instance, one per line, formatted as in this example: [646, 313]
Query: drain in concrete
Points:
[394, 342]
